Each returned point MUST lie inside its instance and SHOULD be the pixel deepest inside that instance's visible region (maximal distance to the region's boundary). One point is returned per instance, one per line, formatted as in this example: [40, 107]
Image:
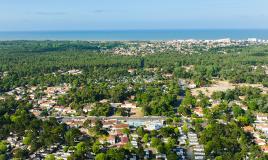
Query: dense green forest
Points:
[33, 62]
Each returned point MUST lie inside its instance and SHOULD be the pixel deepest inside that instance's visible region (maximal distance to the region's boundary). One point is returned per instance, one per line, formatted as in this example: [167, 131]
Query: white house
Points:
[263, 127]
[128, 105]
[261, 117]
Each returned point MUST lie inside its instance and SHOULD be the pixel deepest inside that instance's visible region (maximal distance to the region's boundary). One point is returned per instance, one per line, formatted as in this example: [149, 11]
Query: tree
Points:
[161, 148]
[169, 121]
[116, 154]
[176, 120]
[188, 99]
[140, 131]
[176, 131]
[172, 156]
[27, 140]
[101, 110]
[50, 157]
[155, 142]
[237, 111]
[167, 131]
[100, 156]
[219, 158]
[96, 147]
[222, 140]
[145, 138]
[118, 93]
[126, 131]
[185, 128]
[243, 120]
[71, 135]
[3, 157]
[184, 110]
[170, 144]
[81, 148]
[98, 126]
[3, 147]
[20, 153]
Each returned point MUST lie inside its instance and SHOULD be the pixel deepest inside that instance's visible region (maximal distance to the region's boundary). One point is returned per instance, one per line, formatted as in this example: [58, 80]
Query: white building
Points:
[263, 127]
[154, 125]
[261, 117]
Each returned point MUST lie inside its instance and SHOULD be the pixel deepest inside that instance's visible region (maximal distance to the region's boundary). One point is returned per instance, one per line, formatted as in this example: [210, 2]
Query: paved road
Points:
[145, 118]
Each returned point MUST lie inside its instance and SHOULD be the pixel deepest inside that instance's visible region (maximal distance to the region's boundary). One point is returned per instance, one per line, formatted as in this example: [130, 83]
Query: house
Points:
[32, 96]
[36, 111]
[242, 98]
[112, 139]
[128, 105]
[59, 108]
[131, 70]
[249, 129]
[192, 86]
[134, 143]
[263, 127]
[182, 140]
[46, 104]
[193, 140]
[58, 90]
[161, 156]
[260, 142]
[199, 148]
[18, 97]
[261, 117]
[199, 154]
[87, 108]
[264, 148]
[120, 126]
[102, 140]
[199, 111]
[109, 123]
[165, 140]
[134, 157]
[74, 72]
[84, 130]
[147, 154]
[75, 122]
[132, 97]
[168, 75]
[117, 129]
[115, 105]
[179, 151]
[124, 140]
[104, 101]
[68, 110]
[199, 157]
[12, 140]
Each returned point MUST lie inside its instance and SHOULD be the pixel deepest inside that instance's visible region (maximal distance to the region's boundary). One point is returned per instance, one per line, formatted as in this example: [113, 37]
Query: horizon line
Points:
[168, 29]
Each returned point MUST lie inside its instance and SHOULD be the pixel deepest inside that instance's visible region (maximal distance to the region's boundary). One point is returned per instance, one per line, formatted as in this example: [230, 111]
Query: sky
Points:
[37, 15]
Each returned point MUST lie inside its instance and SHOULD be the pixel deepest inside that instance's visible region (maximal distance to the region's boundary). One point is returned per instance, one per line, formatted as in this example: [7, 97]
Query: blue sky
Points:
[25, 15]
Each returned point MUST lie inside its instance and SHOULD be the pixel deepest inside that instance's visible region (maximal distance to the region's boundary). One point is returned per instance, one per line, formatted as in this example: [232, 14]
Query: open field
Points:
[136, 112]
[223, 86]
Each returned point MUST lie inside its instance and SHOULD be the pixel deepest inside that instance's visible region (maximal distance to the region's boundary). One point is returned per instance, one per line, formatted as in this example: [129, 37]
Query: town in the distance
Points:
[134, 100]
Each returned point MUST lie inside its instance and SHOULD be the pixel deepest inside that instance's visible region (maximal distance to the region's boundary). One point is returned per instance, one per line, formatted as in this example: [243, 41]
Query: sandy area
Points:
[223, 86]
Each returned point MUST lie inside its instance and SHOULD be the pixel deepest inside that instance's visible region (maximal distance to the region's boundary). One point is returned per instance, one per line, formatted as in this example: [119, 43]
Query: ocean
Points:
[139, 35]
